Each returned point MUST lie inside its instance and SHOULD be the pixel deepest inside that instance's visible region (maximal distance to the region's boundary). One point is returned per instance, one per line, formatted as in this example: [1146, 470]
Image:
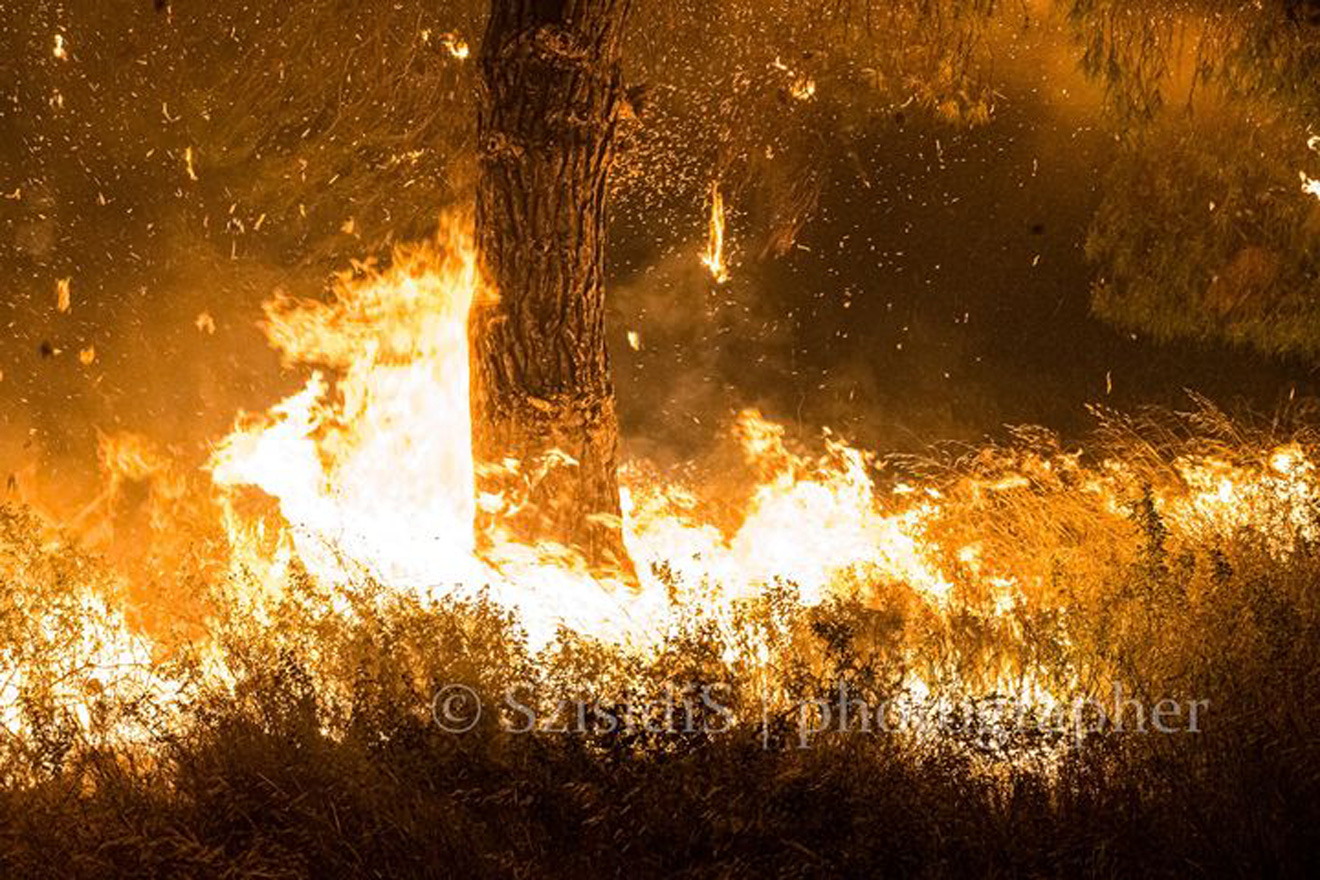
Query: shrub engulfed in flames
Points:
[367, 473]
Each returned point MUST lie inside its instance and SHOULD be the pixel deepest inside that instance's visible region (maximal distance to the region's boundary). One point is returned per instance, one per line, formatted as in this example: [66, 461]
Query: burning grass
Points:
[326, 588]
[1177, 559]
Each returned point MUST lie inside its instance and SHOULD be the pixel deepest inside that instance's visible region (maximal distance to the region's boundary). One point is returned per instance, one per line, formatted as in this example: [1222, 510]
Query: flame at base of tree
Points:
[366, 476]
[372, 468]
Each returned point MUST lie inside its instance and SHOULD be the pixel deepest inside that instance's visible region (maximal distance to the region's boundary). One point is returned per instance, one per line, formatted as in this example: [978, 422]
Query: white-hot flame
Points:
[371, 466]
[1310, 185]
[371, 463]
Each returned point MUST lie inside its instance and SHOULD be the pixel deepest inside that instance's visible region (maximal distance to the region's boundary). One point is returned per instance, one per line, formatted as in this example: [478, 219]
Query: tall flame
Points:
[372, 468]
[367, 474]
[713, 258]
[371, 465]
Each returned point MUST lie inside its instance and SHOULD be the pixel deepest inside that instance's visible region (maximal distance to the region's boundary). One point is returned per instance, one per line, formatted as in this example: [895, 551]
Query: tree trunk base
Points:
[557, 481]
[542, 396]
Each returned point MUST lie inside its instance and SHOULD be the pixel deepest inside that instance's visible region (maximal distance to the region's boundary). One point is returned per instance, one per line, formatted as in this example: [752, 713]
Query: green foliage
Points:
[1142, 53]
[1205, 233]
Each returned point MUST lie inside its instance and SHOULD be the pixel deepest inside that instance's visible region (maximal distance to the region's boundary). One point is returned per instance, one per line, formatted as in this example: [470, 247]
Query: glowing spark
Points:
[188, 162]
[205, 324]
[63, 294]
[713, 258]
[801, 86]
[1287, 459]
[457, 46]
[634, 340]
[87, 355]
[1310, 185]
[61, 49]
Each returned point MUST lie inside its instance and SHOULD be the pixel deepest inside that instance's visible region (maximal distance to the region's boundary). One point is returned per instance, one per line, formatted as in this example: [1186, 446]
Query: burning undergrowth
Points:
[329, 539]
[273, 662]
[306, 732]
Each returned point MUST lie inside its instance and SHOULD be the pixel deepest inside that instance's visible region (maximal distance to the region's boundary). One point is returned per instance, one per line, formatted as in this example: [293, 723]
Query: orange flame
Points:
[372, 469]
[713, 258]
[368, 470]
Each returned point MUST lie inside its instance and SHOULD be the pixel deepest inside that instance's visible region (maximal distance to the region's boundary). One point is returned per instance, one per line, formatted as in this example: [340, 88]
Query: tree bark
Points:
[542, 393]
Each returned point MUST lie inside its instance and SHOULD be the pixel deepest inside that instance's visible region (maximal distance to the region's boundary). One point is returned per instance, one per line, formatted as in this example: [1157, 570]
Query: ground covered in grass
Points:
[314, 734]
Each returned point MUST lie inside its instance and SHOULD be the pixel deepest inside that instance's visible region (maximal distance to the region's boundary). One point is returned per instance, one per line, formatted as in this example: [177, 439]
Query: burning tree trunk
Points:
[551, 87]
